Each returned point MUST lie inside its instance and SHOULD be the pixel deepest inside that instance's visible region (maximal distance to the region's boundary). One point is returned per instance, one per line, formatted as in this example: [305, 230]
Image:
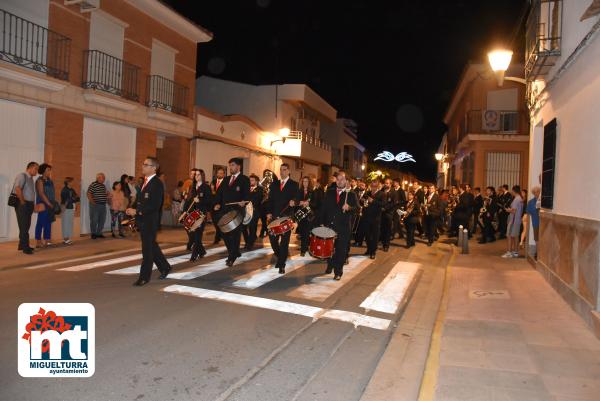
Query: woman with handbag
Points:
[44, 206]
[68, 200]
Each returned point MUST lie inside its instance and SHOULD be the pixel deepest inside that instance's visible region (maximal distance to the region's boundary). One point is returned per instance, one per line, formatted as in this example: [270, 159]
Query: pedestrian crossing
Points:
[386, 298]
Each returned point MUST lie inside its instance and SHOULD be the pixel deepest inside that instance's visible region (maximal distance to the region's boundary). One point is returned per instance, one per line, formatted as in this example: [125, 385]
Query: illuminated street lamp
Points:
[439, 157]
[283, 133]
[500, 61]
[362, 167]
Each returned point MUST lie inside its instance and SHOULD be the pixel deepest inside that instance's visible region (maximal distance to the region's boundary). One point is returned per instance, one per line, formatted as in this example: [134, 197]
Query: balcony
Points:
[164, 94]
[495, 122]
[32, 46]
[543, 37]
[109, 74]
[307, 147]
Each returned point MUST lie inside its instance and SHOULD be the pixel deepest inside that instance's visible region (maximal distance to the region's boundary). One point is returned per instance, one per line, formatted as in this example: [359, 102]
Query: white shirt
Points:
[148, 180]
[283, 182]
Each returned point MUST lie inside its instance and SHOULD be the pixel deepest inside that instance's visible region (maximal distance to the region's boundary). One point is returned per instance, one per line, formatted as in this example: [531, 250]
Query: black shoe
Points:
[491, 240]
[356, 244]
[202, 253]
[189, 246]
[140, 282]
[303, 253]
[372, 256]
[367, 253]
[429, 243]
[100, 236]
[329, 270]
[481, 241]
[386, 248]
[230, 262]
[282, 270]
[194, 256]
[216, 241]
[347, 261]
[94, 236]
[165, 274]
[28, 251]
[336, 277]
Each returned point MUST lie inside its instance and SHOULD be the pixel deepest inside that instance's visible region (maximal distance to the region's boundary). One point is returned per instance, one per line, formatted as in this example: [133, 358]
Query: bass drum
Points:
[249, 213]
[230, 221]
[322, 241]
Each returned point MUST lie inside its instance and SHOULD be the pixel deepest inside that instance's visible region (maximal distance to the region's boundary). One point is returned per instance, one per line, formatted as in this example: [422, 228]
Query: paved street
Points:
[210, 332]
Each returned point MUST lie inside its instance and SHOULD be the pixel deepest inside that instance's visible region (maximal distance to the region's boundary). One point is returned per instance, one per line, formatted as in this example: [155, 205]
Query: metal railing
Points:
[104, 72]
[162, 93]
[309, 139]
[495, 121]
[32, 46]
[543, 37]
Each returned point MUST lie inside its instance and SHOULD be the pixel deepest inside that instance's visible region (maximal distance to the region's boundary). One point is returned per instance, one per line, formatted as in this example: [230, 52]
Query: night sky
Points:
[391, 66]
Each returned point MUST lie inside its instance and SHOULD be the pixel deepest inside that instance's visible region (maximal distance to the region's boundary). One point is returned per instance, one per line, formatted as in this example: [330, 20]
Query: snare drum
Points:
[303, 213]
[193, 220]
[280, 226]
[322, 241]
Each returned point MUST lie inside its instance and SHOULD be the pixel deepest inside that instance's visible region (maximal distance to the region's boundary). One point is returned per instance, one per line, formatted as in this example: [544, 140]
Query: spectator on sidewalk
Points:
[515, 212]
[126, 189]
[68, 200]
[533, 211]
[118, 203]
[24, 189]
[97, 196]
[44, 205]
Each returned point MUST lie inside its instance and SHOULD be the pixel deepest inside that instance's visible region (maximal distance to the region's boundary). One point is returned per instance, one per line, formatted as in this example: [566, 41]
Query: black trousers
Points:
[24, 213]
[151, 253]
[431, 224]
[502, 223]
[488, 230]
[249, 231]
[198, 246]
[340, 251]
[280, 245]
[397, 225]
[361, 231]
[411, 225]
[263, 223]
[373, 231]
[386, 229]
[232, 242]
[304, 227]
[215, 220]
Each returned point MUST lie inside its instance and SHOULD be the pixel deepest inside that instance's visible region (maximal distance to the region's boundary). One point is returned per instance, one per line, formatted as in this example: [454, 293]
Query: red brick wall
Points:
[145, 145]
[174, 159]
[63, 146]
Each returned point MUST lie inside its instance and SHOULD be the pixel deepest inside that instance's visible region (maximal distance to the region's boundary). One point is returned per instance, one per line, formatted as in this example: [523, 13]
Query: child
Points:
[118, 203]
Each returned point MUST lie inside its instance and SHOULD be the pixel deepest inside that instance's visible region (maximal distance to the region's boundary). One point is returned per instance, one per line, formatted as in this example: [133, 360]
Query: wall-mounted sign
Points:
[401, 157]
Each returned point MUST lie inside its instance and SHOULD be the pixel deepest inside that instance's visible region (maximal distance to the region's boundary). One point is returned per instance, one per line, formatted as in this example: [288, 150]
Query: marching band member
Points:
[256, 197]
[304, 199]
[411, 218]
[336, 213]
[371, 216]
[432, 212]
[391, 204]
[187, 185]
[477, 205]
[487, 213]
[401, 196]
[201, 198]
[282, 194]
[503, 200]
[215, 186]
[361, 230]
[234, 189]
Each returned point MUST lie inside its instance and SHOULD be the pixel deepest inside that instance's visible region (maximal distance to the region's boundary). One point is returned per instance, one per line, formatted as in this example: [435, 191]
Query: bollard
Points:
[460, 236]
[465, 244]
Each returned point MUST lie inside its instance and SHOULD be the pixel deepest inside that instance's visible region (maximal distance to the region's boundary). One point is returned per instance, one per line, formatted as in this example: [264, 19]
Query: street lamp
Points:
[439, 157]
[499, 61]
[283, 133]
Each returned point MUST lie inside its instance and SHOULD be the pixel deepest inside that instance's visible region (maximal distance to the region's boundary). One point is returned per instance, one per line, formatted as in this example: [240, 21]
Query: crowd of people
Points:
[384, 209]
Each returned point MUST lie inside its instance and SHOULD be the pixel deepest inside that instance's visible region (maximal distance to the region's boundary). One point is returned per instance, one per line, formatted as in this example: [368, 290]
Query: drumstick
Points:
[235, 203]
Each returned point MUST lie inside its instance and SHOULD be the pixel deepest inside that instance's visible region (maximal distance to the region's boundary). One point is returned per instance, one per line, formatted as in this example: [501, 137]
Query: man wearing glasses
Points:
[147, 216]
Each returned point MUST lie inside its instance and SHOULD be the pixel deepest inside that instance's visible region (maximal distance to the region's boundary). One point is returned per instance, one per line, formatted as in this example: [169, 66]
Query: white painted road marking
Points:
[81, 259]
[267, 273]
[392, 290]
[108, 262]
[219, 264]
[135, 269]
[282, 306]
[321, 288]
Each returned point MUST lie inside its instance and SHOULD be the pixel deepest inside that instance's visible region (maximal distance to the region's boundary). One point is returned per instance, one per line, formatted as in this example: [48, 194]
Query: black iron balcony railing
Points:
[543, 37]
[496, 122]
[32, 46]
[162, 93]
[106, 73]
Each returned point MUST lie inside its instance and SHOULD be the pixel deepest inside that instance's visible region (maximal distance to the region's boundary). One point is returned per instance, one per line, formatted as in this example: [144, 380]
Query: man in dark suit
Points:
[336, 213]
[463, 210]
[401, 196]
[432, 210]
[371, 215]
[233, 194]
[215, 185]
[387, 219]
[282, 195]
[256, 197]
[477, 205]
[147, 217]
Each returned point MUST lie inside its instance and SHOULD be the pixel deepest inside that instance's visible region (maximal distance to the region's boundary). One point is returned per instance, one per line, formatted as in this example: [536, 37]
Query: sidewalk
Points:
[507, 335]
[86, 247]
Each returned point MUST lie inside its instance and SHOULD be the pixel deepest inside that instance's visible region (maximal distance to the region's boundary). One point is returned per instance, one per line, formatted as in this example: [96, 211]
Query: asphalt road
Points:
[157, 345]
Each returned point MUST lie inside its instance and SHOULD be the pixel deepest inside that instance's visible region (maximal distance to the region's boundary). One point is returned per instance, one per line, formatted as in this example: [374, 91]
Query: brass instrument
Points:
[452, 203]
[267, 180]
[405, 213]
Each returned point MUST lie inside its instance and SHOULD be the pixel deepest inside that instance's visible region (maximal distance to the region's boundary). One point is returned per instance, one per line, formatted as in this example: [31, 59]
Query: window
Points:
[503, 168]
[548, 165]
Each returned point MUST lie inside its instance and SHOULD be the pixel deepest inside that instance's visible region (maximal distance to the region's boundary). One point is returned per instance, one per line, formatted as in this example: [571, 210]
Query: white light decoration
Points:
[401, 157]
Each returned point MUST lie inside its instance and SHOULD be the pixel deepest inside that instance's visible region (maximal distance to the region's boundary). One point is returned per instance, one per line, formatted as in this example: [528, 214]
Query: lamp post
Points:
[500, 61]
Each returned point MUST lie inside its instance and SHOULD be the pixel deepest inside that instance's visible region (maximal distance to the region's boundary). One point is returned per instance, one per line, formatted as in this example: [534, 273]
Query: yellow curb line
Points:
[430, 374]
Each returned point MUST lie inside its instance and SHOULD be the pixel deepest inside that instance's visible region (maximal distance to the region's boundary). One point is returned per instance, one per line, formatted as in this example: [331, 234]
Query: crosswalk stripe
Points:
[135, 269]
[108, 262]
[268, 273]
[392, 290]
[322, 287]
[282, 306]
[219, 264]
[81, 259]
